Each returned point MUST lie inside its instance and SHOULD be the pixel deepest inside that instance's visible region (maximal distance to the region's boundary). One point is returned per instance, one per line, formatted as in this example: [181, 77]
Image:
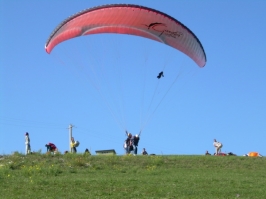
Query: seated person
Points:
[207, 153]
[144, 152]
[87, 152]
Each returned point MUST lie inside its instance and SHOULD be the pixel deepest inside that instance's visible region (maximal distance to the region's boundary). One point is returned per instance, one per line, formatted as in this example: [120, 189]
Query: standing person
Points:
[27, 143]
[135, 142]
[217, 145]
[73, 145]
[128, 143]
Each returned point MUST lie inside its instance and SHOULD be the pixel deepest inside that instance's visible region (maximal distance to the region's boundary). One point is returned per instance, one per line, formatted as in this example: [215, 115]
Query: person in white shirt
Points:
[217, 145]
[27, 143]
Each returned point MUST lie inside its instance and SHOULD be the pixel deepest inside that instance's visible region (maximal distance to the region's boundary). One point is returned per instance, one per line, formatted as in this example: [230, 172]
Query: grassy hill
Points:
[78, 176]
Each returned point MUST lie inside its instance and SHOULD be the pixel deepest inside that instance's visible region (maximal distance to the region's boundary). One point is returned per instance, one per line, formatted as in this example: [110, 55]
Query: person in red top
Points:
[51, 147]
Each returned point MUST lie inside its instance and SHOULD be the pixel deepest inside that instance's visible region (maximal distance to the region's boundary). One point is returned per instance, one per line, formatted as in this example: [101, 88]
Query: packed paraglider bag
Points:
[230, 153]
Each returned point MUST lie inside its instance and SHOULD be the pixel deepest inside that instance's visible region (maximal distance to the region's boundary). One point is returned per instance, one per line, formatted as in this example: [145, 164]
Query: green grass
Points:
[78, 176]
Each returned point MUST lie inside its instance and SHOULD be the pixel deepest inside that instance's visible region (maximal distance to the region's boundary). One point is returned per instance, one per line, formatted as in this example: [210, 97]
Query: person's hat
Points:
[27, 133]
[137, 135]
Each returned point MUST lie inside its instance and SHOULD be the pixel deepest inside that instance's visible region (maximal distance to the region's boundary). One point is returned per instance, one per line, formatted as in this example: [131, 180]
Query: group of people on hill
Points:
[131, 144]
[50, 147]
[218, 146]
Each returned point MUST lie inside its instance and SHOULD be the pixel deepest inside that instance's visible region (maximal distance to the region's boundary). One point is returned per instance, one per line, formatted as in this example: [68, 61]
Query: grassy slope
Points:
[78, 176]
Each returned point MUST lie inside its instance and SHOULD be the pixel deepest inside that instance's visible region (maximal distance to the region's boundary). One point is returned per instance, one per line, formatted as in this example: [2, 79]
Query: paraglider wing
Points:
[132, 20]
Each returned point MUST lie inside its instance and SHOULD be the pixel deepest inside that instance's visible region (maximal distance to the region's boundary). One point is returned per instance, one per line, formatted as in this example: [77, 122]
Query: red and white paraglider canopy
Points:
[133, 20]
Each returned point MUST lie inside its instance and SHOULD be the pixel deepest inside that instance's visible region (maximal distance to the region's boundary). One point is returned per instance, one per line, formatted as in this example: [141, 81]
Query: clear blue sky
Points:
[42, 94]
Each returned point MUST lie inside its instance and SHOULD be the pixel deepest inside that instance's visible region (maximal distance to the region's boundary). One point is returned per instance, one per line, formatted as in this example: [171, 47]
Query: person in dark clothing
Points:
[160, 75]
[87, 152]
[144, 152]
[135, 142]
[132, 143]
